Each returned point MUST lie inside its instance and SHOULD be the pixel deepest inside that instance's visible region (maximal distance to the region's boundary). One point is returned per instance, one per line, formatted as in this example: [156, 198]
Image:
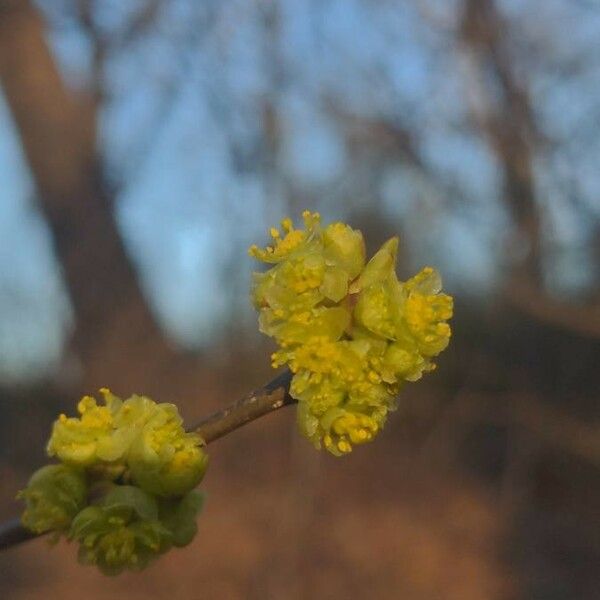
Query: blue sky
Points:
[181, 132]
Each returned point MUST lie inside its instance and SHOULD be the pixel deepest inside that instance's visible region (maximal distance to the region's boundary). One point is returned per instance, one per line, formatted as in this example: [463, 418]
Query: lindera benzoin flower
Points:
[54, 495]
[351, 333]
[124, 487]
[129, 527]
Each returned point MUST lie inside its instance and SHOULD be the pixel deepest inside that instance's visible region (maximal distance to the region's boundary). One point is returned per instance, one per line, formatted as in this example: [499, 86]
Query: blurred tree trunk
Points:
[505, 118]
[116, 337]
[504, 115]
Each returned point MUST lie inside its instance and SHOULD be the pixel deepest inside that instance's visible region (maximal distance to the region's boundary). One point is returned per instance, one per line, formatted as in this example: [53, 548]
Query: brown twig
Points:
[13, 533]
[258, 403]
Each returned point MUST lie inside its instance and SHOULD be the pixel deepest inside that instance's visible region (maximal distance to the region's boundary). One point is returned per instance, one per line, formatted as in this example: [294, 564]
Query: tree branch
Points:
[12, 533]
[505, 119]
[578, 319]
[260, 402]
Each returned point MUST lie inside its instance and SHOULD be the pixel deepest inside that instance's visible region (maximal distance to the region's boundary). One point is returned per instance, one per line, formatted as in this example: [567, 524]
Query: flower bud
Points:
[122, 532]
[53, 496]
[344, 247]
[164, 459]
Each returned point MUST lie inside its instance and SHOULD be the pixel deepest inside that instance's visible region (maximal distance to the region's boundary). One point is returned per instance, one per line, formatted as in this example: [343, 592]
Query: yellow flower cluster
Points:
[137, 437]
[350, 332]
[124, 488]
[128, 528]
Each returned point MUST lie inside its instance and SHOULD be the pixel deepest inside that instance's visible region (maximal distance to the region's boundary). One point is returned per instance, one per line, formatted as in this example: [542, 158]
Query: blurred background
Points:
[144, 144]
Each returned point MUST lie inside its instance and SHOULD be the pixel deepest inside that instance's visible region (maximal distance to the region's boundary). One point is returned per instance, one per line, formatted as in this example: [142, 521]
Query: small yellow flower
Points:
[86, 439]
[293, 239]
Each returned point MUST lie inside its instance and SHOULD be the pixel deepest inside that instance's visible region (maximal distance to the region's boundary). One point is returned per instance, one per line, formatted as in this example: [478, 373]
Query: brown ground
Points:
[283, 521]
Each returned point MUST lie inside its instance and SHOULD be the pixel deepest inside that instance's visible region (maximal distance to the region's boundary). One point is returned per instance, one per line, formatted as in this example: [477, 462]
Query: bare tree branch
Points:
[104, 43]
[583, 320]
[258, 403]
[399, 144]
[549, 425]
[12, 533]
[505, 120]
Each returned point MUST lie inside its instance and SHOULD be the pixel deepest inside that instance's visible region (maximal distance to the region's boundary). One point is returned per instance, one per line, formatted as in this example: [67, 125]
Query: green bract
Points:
[351, 333]
[53, 496]
[163, 458]
[134, 441]
[128, 528]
